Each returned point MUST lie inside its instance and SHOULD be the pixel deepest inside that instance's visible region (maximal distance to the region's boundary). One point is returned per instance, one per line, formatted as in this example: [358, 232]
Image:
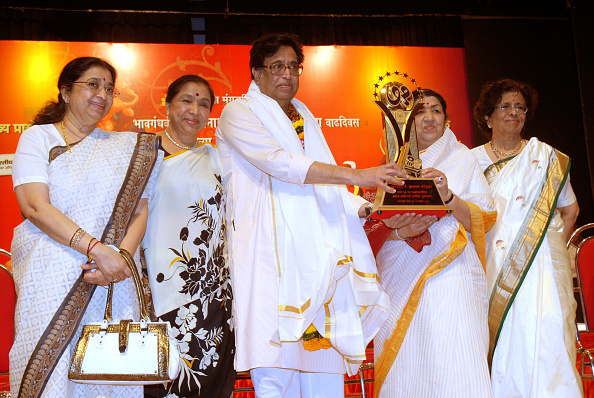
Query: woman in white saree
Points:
[81, 192]
[531, 307]
[435, 342]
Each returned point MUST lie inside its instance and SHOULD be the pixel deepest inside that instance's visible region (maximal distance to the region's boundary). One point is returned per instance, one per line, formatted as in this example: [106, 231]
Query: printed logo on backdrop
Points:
[6, 164]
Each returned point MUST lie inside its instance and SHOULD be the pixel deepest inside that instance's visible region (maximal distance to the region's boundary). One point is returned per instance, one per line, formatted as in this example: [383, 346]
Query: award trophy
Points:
[417, 195]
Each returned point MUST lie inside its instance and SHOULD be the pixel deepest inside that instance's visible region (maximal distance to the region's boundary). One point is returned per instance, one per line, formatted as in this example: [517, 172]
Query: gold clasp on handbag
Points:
[123, 335]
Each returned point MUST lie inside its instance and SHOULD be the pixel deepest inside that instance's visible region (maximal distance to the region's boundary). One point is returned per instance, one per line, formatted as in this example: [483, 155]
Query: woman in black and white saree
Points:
[185, 249]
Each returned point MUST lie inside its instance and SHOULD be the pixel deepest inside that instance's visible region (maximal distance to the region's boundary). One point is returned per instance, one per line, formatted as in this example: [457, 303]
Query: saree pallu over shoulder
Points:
[541, 172]
[66, 320]
[141, 166]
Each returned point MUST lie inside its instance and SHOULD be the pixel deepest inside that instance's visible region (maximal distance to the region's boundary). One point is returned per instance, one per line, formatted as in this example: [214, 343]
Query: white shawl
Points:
[327, 273]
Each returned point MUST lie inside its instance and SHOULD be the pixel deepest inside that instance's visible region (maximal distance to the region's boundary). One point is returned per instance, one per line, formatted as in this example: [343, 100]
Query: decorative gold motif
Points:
[124, 333]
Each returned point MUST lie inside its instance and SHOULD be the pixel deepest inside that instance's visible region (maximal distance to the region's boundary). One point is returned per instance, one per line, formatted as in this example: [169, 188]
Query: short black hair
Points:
[268, 45]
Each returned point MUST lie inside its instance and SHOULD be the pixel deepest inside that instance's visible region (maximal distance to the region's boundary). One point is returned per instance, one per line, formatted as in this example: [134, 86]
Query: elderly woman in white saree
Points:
[531, 308]
[81, 192]
[435, 342]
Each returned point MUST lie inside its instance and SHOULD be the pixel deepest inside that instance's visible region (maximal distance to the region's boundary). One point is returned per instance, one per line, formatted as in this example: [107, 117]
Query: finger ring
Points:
[440, 179]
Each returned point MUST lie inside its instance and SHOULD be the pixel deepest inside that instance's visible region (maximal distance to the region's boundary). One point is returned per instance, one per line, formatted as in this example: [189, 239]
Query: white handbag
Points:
[125, 352]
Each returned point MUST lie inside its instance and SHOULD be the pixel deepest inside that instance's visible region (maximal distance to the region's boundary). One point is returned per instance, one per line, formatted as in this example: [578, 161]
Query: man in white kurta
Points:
[298, 254]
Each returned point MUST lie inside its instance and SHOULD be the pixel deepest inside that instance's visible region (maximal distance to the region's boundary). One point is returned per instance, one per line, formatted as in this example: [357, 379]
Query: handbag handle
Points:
[144, 315]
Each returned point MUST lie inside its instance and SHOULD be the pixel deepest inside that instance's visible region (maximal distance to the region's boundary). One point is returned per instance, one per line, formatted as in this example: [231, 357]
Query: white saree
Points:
[435, 342]
[528, 266]
[84, 186]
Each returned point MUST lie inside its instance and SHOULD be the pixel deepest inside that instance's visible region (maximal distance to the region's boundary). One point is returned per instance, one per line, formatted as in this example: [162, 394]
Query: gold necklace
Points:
[65, 139]
[508, 154]
[179, 145]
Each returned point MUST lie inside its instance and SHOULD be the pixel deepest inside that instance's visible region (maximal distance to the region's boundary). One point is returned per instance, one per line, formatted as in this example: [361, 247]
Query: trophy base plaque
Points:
[417, 195]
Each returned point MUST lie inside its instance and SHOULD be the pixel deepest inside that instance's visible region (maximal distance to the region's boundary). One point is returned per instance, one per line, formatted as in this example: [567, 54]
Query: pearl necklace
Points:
[179, 145]
[497, 152]
[65, 139]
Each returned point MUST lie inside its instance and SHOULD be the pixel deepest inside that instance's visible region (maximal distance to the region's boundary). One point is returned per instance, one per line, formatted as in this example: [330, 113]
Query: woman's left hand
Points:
[441, 181]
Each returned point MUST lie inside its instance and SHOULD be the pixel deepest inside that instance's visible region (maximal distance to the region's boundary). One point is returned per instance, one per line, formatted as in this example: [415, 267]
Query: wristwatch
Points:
[368, 209]
[451, 198]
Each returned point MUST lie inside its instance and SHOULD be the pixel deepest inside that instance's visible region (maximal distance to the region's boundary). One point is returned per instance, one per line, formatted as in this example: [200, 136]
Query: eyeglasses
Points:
[278, 68]
[95, 86]
[520, 109]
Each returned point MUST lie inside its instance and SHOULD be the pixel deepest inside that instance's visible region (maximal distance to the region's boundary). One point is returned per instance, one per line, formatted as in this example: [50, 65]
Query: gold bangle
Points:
[75, 240]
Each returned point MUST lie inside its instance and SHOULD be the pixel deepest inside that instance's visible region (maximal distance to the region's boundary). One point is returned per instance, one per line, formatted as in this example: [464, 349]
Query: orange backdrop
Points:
[338, 81]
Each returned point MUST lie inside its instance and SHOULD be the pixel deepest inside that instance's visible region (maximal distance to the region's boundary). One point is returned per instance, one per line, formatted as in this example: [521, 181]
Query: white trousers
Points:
[288, 383]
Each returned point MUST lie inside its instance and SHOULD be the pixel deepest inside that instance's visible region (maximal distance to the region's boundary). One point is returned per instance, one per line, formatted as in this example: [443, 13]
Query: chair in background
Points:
[7, 303]
[582, 240]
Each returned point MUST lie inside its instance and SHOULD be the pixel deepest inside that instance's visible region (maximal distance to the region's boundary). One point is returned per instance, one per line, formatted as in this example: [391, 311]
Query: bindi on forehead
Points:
[197, 94]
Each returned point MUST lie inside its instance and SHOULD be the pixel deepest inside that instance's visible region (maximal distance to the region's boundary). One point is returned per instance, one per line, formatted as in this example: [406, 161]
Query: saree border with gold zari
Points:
[527, 242]
[62, 327]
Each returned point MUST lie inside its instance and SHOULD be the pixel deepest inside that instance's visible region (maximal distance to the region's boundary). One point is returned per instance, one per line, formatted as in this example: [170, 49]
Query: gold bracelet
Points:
[75, 240]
